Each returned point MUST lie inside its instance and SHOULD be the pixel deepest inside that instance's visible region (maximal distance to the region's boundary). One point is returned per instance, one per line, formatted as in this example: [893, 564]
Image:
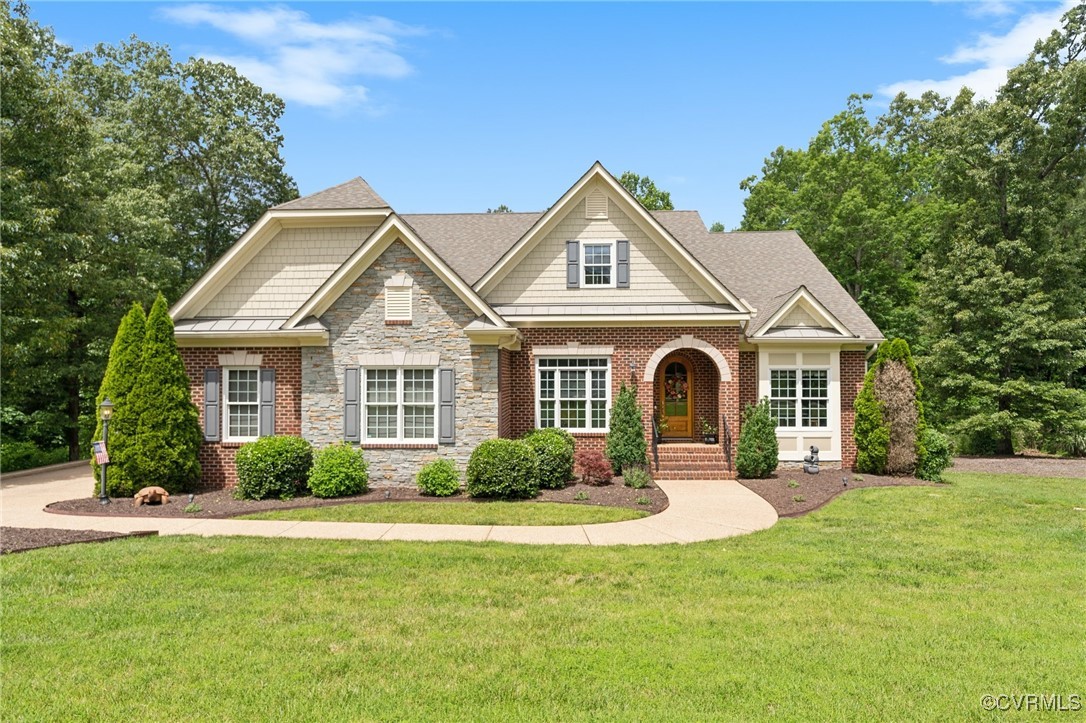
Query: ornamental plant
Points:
[338, 470]
[122, 372]
[439, 478]
[554, 449]
[595, 469]
[626, 436]
[503, 468]
[273, 467]
[166, 423]
[889, 426]
[756, 457]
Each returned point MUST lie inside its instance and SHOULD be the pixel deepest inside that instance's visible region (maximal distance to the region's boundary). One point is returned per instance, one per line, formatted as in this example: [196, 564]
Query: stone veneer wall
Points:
[630, 344]
[217, 458]
[357, 325]
[853, 369]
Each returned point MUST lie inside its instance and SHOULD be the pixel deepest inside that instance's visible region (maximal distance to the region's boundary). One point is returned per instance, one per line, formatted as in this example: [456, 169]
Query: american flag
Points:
[101, 456]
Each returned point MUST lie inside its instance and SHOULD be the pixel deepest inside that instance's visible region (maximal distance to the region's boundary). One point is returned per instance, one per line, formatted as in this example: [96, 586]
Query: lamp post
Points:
[106, 410]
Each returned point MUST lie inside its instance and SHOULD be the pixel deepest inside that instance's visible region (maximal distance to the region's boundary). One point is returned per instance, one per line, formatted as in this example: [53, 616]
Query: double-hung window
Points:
[799, 397]
[242, 408]
[597, 262]
[573, 393]
[399, 405]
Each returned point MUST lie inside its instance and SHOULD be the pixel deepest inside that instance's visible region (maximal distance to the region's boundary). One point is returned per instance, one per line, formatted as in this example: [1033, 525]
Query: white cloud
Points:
[995, 54]
[307, 62]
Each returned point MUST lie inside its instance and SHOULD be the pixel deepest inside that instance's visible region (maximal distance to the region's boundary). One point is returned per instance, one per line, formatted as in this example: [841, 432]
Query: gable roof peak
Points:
[352, 194]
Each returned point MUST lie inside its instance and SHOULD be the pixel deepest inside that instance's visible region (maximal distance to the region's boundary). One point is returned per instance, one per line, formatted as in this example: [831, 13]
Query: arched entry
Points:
[675, 404]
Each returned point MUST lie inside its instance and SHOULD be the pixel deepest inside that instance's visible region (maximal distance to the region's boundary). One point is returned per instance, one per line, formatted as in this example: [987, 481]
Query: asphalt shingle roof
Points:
[352, 194]
[471, 242]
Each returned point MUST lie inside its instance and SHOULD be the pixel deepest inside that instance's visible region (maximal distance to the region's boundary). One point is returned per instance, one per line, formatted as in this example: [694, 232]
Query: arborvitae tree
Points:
[758, 451]
[168, 434]
[889, 414]
[122, 371]
[626, 438]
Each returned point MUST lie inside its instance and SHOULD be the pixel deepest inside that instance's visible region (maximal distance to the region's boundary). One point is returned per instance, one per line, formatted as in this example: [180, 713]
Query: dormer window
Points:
[598, 264]
[398, 299]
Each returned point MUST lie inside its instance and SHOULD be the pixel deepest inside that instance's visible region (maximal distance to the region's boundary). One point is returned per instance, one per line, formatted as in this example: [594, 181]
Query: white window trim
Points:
[797, 437]
[584, 267]
[797, 400]
[399, 439]
[226, 437]
[588, 414]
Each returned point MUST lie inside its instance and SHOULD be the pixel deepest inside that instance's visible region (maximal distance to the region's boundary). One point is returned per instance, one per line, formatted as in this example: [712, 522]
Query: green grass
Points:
[458, 513]
[891, 603]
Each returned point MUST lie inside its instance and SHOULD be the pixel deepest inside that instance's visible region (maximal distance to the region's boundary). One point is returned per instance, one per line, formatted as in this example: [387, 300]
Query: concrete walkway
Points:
[698, 510]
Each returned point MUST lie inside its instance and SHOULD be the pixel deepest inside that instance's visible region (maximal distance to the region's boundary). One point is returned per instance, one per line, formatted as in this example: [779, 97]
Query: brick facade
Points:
[748, 378]
[217, 458]
[853, 369]
[631, 346]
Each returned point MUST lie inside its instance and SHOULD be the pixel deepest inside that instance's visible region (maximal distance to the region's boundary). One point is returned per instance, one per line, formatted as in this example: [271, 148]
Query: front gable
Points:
[802, 315]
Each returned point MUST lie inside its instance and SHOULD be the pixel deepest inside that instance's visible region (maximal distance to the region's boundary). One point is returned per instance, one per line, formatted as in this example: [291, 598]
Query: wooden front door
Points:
[676, 405]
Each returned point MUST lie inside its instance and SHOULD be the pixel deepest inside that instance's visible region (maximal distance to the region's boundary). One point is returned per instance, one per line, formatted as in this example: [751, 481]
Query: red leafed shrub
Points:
[594, 467]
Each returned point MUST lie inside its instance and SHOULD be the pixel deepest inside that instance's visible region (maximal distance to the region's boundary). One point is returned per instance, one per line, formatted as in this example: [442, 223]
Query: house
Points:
[420, 335]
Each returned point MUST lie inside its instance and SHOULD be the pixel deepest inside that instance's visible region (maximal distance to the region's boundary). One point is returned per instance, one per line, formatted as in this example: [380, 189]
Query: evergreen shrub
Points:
[758, 450]
[939, 454]
[273, 467]
[889, 424]
[554, 448]
[626, 434]
[338, 470]
[122, 373]
[439, 478]
[503, 468]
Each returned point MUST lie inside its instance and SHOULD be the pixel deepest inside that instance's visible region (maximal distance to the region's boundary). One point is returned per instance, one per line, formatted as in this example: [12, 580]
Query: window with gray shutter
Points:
[351, 414]
[622, 264]
[211, 405]
[446, 406]
[573, 264]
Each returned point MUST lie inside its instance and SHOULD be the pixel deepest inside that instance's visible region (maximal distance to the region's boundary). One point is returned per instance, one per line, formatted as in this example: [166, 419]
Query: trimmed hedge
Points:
[439, 478]
[338, 470]
[503, 468]
[273, 467]
[554, 449]
[626, 433]
[758, 450]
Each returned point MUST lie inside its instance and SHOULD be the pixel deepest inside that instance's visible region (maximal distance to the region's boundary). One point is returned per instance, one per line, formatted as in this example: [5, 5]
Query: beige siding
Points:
[799, 316]
[287, 271]
[541, 276]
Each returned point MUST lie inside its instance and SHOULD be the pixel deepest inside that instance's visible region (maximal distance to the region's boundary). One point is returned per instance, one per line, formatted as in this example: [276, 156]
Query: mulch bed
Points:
[794, 492]
[218, 504]
[21, 539]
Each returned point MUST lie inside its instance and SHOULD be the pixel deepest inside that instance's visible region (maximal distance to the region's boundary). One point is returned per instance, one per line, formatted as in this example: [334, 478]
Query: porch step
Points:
[692, 461]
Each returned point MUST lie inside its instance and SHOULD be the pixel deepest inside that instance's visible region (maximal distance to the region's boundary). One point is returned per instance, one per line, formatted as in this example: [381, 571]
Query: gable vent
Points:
[596, 205]
[398, 298]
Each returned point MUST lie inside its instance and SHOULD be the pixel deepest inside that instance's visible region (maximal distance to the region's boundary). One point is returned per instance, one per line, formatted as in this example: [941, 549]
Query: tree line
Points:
[124, 173]
[959, 224]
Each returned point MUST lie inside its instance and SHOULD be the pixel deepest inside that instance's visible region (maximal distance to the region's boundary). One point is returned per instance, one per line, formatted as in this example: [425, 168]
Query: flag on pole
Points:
[101, 456]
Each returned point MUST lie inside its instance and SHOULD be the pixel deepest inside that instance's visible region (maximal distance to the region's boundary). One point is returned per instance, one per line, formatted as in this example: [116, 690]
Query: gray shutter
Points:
[351, 417]
[573, 264]
[446, 413]
[622, 267]
[267, 402]
[212, 417]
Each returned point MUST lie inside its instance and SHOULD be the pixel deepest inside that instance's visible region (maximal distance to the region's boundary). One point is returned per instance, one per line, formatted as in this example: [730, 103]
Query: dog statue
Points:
[151, 496]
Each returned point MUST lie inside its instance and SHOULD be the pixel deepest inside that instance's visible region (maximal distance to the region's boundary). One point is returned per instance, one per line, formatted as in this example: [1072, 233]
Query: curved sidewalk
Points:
[698, 510]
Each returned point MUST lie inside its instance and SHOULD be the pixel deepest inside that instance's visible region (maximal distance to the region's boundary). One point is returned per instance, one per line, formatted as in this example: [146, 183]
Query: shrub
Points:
[594, 467]
[626, 435]
[554, 449]
[15, 456]
[167, 425]
[889, 426]
[503, 468]
[636, 477]
[756, 457]
[122, 372]
[273, 467]
[439, 478]
[938, 456]
[338, 470]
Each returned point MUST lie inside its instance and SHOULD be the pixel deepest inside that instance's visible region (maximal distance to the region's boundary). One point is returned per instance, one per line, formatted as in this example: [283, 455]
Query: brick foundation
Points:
[217, 458]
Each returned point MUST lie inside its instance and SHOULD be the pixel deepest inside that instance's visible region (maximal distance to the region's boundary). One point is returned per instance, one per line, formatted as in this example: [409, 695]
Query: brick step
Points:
[669, 474]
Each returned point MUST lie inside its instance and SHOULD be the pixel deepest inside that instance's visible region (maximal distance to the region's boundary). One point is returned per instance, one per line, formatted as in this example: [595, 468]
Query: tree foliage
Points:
[122, 371]
[645, 191]
[167, 424]
[889, 427]
[626, 433]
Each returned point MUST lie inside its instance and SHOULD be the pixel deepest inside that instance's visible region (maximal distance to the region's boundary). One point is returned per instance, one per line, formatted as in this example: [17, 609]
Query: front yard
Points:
[900, 603]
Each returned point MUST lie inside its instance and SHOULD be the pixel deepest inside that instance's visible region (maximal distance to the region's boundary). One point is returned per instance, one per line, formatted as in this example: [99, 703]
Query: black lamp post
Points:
[106, 410]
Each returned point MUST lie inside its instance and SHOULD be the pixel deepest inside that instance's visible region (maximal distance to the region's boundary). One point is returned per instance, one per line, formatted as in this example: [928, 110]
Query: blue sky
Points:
[453, 107]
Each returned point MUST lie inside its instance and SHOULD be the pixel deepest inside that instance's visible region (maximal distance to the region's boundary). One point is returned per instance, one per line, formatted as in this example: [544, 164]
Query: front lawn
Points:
[458, 513]
[894, 603]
